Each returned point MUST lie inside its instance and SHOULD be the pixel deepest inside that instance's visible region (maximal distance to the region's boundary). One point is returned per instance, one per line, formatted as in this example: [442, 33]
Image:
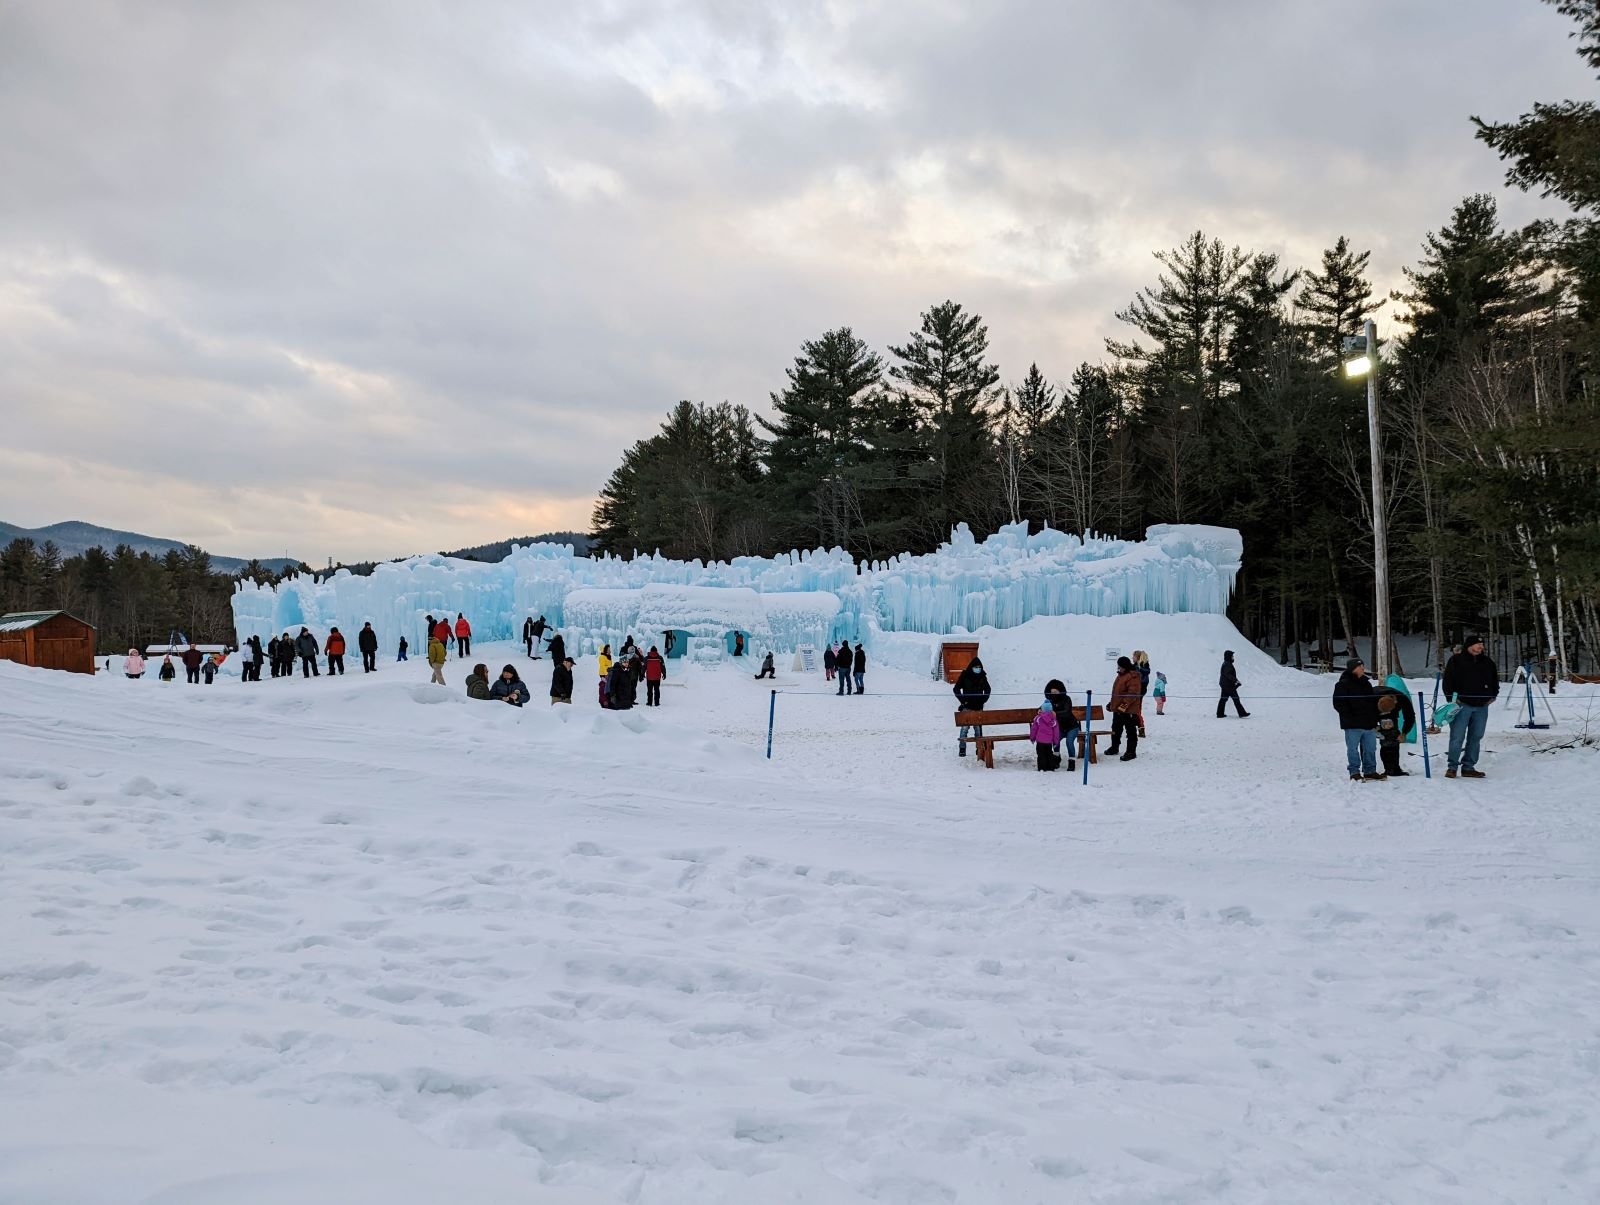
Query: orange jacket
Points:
[1125, 692]
[463, 628]
[441, 631]
[335, 645]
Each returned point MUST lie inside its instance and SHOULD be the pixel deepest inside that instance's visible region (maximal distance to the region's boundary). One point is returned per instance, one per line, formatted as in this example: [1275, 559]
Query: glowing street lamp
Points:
[1361, 359]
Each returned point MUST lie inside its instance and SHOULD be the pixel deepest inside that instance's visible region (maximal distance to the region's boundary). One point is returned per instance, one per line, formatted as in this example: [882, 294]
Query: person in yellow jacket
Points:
[605, 668]
[436, 658]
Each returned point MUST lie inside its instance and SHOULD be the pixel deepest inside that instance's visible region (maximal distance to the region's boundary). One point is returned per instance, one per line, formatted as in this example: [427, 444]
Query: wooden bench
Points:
[1006, 717]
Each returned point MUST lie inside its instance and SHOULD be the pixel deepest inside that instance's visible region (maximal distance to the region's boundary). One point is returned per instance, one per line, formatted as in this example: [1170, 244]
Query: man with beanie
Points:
[1473, 681]
[1228, 679]
[1125, 709]
[1357, 705]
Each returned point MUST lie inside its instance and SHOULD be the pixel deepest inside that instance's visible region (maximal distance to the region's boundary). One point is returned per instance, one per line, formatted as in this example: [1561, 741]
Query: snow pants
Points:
[1230, 692]
[1124, 723]
[463, 646]
[1049, 756]
[335, 663]
[1389, 755]
[652, 693]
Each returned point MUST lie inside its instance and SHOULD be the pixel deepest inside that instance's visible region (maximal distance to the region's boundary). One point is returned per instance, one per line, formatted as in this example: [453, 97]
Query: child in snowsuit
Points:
[168, 672]
[1045, 733]
[208, 671]
[1159, 690]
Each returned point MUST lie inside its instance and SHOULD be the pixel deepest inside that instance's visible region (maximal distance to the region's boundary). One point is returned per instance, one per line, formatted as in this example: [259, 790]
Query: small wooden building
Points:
[955, 656]
[47, 640]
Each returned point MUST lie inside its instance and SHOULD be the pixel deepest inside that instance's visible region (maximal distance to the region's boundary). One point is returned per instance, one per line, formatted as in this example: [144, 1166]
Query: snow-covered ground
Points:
[364, 941]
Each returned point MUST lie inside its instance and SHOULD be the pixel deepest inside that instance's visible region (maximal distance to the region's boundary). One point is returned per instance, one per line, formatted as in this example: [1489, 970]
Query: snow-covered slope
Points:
[341, 941]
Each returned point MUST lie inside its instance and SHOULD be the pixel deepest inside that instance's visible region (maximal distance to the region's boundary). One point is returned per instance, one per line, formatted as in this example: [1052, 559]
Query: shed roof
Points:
[21, 621]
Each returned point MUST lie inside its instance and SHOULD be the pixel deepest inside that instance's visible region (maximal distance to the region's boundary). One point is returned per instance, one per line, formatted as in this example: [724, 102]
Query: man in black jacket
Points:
[527, 634]
[859, 661]
[306, 645]
[561, 681]
[1357, 705]
[367, 642]
[1228, 679]
[1472, 679]
[972, 692]
[843, 658]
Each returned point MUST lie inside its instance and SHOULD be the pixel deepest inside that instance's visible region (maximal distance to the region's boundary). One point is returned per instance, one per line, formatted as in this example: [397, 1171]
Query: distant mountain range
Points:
[501, 549]
[74, 538]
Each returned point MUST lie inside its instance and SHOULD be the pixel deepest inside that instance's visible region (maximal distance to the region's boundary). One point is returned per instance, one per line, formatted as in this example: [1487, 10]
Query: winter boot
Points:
[1449, 773]
[1473, 774]
[1355, 778]
[1374, 777]
[1072, 763]
[1128, 757]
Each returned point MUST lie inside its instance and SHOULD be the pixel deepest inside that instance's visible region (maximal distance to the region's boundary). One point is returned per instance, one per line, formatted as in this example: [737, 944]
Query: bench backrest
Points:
[1015, 715]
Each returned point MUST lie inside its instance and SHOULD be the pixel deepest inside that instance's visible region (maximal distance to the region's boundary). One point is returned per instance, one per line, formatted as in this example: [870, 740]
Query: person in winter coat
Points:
[1396, 717]
[769, 668]
[509, 687]
[1357, 705]
[842, 661]
[1055, 691]
[305, 645]
[1045, 733]
[1228, 679]
[286, 651]
[527, 634]
[367, 642]
[257, 656]
[655, 669]
[1159, 690]
[208, 671]
[558, 648]
[133, 665]
[561, 681]
[859, 661]
[272, 656]
[463, 636]
[1473, 681]
[1125, 709]
[636, 668]
[168, 672]
[1141, 662]
[627, 647]
[478, 682]
[972, 691]
[620, 693]
[538, 628]
[400, 653]
[192, 657]
[604, 662]
[436, 659]
[738, 644]
[335, 650]
[827, 664]
[441, 632]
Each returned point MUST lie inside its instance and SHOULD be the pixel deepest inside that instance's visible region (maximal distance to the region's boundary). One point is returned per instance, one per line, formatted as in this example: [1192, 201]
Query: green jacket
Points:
[477, 686]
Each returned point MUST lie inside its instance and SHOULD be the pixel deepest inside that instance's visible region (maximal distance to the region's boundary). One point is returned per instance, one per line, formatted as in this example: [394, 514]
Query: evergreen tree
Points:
[943, 372]
[1337, 300]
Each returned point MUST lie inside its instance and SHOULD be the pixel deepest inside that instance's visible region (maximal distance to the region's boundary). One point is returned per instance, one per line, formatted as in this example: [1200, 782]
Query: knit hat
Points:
[1124, 663]
[1045, 706]
[1471, 640]
[1352, 665]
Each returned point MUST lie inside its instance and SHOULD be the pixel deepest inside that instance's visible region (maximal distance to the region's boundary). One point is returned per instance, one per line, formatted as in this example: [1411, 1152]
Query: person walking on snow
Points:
[305, 645]
[478, 682]
[1357, 705]
[1473, 681]
[1045, 733]
[436, 659]
[192, 657]
[133, 666]
[463, 636]
[367, 642]
[860, 664]
[769, 668]
[655, 669]
[842, 660]
[168, 672]
[972, 692]
[400, 653]
[1066, 717]
[1396, 717]
[510, 688]
[561, 682]
[1159, 692]
[1125, 709]
[335, 651]
[441, 632]
[208, 671]
[1228, 679]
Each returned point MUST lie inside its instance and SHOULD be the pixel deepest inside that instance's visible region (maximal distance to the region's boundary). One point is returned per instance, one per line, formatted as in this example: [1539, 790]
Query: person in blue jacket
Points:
[509, 687]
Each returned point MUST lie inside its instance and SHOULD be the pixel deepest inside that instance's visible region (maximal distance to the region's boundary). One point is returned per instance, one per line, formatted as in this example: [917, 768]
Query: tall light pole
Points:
[1367, 363]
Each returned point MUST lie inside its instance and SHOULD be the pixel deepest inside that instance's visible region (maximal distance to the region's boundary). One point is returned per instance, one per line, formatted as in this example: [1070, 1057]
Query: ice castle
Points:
[779, 603]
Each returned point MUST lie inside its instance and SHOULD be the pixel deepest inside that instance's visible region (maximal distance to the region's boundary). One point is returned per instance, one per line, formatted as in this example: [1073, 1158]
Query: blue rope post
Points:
[772, 716]
[1422, 720]
[1088, 732]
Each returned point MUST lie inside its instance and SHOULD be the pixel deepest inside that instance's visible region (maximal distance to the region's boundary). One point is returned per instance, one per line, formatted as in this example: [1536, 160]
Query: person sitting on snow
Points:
[510, 688]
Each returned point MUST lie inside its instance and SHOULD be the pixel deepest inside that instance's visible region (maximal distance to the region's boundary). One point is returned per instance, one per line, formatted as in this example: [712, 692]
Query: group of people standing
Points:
[620, 676]
[197, 666]
[848, 665]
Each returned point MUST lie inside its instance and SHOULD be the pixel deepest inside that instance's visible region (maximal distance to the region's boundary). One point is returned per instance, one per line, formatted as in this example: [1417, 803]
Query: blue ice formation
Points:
[778, 603]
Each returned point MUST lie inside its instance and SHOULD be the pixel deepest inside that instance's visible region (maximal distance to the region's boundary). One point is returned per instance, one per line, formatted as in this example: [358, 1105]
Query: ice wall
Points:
[787, 600]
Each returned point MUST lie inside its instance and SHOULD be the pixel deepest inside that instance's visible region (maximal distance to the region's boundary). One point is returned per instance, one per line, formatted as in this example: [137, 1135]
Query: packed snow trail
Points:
[624, 958]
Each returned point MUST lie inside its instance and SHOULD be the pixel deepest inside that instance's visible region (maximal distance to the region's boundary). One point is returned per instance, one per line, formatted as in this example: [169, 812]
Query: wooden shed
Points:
[47, 640]
[955, 656]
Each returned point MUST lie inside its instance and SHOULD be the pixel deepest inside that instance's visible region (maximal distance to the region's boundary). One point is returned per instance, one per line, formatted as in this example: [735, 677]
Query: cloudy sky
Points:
[365, 279]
